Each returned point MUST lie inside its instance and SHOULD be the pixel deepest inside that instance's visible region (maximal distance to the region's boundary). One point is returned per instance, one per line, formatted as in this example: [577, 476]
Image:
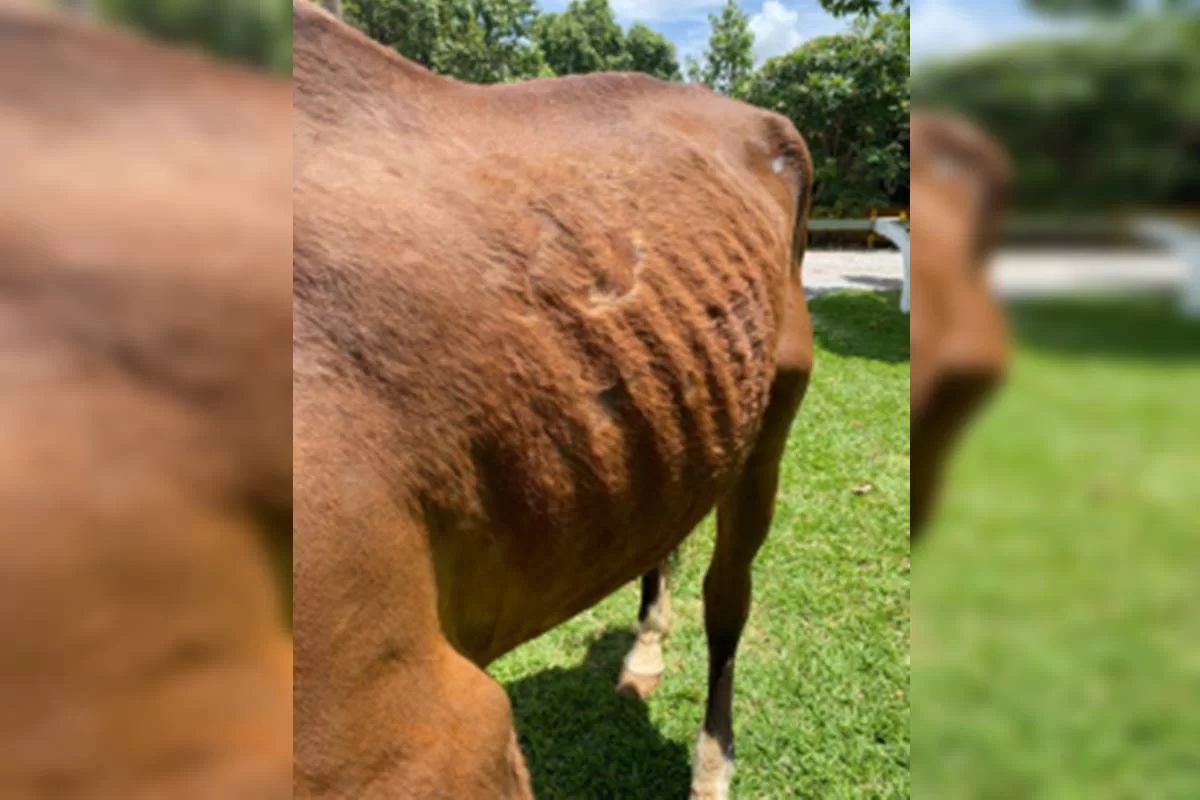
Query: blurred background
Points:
[256, 32]
[145, 399]
[1054, 634]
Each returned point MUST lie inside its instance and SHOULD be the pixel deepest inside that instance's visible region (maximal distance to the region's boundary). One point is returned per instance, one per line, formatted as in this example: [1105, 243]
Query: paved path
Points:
[827, 270]
[1014, 273]
[1030, 273]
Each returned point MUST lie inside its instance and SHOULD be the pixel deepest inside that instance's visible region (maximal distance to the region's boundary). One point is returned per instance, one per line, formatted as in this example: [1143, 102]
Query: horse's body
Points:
[540, 331]
[959, 340]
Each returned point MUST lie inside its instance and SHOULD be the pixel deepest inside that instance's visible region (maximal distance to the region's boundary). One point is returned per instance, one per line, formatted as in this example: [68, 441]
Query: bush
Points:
[848, 96]
[1108, 121]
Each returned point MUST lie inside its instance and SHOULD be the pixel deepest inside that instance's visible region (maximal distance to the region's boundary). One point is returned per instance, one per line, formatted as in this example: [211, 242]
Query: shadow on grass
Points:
[1148, 328]
[861, 324]
[874, 281]
[583, 741]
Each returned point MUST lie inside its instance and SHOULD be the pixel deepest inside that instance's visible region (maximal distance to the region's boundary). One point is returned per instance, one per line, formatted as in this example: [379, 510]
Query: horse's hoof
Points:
[637, 685]
[709, 793]
[712, 771]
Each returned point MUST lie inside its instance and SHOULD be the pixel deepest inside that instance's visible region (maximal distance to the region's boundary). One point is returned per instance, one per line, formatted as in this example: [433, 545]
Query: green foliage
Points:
[587, 38]
[1109, 8]
[728, 62]
[482, 41]
[1058, 585]
[865, 8]
[412, 27]
[584, 38]
[257, 32]
[1063, 7]
[491, 41]
[600, 27]
[1089, 124]
[848, 96]
[650, 52]
[487, 41]
[565, 45]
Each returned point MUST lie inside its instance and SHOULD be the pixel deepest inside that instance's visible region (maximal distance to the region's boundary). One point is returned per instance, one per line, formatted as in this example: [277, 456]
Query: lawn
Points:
[1056, 637]
[821, 698]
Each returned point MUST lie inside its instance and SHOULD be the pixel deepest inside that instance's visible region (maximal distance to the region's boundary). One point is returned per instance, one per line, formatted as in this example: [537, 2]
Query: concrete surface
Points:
[1032, 273]
[827, 270]
[1014, 273]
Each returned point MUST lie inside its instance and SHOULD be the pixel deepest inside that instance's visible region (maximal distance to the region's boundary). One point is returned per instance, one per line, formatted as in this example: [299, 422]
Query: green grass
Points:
[1056, 604]
[821, 698]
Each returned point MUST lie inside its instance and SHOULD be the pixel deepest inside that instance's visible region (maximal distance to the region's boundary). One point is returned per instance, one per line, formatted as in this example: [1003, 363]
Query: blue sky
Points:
[779, 25]
[940, 27]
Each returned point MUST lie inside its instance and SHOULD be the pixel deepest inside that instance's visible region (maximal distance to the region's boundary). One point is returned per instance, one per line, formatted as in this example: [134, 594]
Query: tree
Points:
[848, 96]
[488, 41]
[1107, 8]
[650, 52]
[729, 60]
[565, 45]
[605, 35]
[482, 41]
[1064, 7]
[584, 38]
[864, 8]
[411, 27]
[1109, 120]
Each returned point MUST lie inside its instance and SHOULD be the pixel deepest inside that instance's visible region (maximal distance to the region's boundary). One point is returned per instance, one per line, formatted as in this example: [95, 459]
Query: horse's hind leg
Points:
[743, 518]
[643, 666]
[384, 706]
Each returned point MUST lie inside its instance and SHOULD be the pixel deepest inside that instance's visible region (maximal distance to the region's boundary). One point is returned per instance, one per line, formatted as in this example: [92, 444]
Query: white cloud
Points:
[779, 29]
[776, 30]
[942, 28]
[946, 28]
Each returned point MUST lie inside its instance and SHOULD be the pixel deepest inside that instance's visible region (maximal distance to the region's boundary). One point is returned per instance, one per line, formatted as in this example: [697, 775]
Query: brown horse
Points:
[540, 331]
[145, 394]
[960, 186]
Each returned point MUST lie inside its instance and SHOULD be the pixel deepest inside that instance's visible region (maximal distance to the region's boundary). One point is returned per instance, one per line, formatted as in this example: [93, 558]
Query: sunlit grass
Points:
[1056, 639]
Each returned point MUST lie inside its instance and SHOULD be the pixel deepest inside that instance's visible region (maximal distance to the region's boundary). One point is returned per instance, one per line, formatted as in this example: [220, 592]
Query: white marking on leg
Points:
[644, 665]
[646, 656]
[712, 771]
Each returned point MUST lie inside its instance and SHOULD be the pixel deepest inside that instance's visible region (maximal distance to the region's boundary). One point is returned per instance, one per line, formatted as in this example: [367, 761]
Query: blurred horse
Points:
[145, 416]
[960, 185]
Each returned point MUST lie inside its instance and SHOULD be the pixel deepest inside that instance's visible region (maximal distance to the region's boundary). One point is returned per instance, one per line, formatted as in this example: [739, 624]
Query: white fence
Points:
[1178, 240]
[1181, 241]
